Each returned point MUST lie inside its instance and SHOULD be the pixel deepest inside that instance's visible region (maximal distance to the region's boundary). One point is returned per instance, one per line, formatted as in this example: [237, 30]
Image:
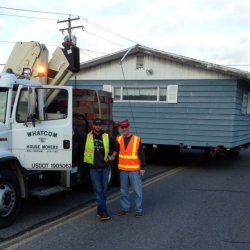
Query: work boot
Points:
[122, 213]
[138, 214]
[104, 217]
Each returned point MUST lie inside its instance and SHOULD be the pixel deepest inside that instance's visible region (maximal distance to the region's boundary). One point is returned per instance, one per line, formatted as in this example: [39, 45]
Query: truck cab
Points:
[43, 126]
[34, 137]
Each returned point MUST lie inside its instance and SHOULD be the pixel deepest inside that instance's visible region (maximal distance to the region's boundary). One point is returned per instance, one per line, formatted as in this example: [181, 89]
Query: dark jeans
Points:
[99, 178]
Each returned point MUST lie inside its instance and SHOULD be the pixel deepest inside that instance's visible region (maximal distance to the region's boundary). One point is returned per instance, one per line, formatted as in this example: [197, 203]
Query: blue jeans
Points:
[135, 180]
[99, 178]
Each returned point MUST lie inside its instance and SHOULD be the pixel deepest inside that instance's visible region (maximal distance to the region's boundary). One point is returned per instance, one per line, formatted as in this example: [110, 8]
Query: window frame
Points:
[23, 89]
[18, 105]
[245, 104]
[140, 62]
[158, 88]
[6, 101]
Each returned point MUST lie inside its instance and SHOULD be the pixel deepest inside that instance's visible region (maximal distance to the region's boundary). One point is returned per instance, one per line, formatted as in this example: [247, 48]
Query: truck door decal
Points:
[40, 143]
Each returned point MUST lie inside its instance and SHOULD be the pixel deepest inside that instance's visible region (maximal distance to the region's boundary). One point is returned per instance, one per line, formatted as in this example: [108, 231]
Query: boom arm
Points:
[28, 55]
[32, 55]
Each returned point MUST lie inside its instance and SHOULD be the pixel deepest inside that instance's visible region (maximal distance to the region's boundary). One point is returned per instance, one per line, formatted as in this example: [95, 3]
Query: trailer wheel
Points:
[232, 154]
[10, 199]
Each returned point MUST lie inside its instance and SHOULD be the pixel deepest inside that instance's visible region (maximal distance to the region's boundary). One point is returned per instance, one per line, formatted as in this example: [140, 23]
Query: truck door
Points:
[42, 132]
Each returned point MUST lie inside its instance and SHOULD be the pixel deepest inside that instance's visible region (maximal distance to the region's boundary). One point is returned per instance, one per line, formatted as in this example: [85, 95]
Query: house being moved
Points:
[173, 100]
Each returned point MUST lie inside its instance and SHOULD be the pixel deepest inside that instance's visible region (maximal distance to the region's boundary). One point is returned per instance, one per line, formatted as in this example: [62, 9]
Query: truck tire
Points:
[10, 199]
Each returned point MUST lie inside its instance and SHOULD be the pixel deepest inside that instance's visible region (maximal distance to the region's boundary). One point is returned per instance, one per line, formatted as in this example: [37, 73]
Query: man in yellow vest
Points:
[96, 155]
[131, 163]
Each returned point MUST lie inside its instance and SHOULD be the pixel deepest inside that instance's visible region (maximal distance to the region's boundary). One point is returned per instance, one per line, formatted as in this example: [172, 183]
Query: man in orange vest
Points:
[96, 154]
[131, 163]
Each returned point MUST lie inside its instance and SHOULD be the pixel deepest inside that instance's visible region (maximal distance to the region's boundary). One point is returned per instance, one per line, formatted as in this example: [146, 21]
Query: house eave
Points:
[232, 72]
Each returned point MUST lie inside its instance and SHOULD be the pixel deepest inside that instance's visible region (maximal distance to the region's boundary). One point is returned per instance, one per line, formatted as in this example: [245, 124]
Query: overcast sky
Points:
[216, 31]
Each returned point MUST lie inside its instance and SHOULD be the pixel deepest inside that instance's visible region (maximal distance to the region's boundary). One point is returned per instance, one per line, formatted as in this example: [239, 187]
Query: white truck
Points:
[42, 125]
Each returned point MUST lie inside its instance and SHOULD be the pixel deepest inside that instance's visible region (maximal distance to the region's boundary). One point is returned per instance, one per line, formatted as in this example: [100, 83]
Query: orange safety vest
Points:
[128, 159]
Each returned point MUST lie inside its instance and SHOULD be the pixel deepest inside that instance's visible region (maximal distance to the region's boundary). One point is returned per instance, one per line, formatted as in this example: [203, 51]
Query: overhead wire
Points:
[104, 39]
[125, 83]
[73, 15]
[6, 42]
[86, 54]
[2, 14]
[36, 11]
[55, 45]
[106, 29]
[97, 52]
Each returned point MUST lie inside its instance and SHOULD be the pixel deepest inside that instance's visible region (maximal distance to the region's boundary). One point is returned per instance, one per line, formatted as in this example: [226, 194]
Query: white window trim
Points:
[244, 103]
[172, 93]
[158, 95]
[245, 106]
[168, 97]
[248, 104]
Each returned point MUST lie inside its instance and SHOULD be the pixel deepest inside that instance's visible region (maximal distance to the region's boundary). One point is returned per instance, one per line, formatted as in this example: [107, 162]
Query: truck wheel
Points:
[10, 199]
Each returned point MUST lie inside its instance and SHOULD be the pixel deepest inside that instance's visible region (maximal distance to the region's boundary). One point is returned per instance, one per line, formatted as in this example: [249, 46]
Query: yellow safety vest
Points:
[90, 148]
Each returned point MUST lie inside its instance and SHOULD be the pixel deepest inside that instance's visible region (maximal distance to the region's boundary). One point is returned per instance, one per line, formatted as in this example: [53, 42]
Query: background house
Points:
[171, 99]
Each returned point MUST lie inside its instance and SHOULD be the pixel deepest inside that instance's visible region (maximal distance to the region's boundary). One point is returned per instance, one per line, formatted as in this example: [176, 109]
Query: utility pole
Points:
[69, 20]
[71, 51]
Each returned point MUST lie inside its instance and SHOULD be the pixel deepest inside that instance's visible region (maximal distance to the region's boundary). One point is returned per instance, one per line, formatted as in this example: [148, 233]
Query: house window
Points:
[140, 62]
[162, 94]
[139, 94]
[244, 104]
[117, 93]
[245, 108]
[146, 94]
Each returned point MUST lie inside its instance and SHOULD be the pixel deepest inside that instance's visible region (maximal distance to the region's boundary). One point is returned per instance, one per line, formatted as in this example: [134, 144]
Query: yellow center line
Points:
[46, 228]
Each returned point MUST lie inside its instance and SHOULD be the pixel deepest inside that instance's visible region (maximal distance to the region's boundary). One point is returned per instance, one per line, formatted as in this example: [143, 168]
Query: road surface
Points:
[204, 206]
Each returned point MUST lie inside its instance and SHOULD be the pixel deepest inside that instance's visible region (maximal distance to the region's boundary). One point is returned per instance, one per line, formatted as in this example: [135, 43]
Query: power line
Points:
[86, 54]
[60, 13]
[28, 17]
[108, 30]
[6, 42]
[92, 51]
[55, 45]
[36, 11]
[104, 39]
[57, 20]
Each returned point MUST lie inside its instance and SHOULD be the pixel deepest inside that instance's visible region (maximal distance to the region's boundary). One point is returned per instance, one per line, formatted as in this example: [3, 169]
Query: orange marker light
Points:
[41, 71]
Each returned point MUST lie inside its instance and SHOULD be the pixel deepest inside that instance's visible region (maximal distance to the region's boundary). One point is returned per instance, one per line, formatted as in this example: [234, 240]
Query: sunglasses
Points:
[124, 127]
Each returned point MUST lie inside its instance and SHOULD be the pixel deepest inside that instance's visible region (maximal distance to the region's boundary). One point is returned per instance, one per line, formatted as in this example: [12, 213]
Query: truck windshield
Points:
[3, 103]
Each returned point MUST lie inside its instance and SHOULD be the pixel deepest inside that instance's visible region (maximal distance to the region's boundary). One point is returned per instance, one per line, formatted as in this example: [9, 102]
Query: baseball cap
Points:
[97, 121]
[124, 123]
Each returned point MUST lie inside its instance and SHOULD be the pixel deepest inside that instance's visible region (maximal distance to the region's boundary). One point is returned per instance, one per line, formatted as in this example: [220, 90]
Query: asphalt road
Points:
[203, 206]
[36, 212]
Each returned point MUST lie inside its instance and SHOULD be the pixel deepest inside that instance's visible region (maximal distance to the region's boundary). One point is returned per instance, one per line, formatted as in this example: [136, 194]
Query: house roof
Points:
[240, 74]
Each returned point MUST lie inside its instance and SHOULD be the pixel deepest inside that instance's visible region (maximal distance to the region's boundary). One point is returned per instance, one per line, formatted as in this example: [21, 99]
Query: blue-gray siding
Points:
[208, 113]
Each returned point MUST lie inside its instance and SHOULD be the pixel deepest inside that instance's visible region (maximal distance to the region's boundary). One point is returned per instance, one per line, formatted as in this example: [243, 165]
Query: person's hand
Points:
[111, 158]
[142, 172]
